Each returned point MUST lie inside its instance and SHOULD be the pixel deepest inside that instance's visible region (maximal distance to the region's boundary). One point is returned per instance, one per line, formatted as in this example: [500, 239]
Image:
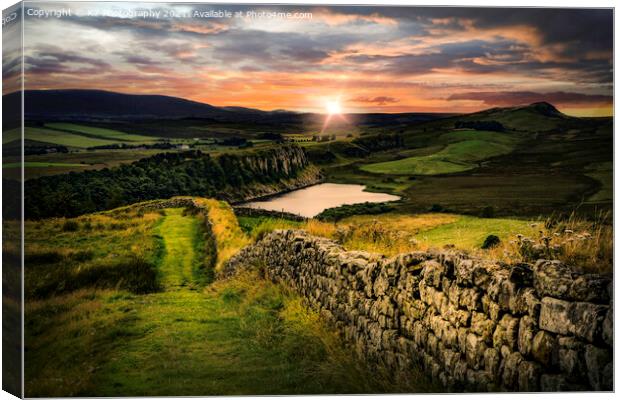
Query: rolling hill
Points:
[100, 105]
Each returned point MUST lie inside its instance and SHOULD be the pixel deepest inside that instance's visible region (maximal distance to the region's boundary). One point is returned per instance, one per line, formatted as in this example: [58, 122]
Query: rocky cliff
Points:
[471, 324]
[233, 177]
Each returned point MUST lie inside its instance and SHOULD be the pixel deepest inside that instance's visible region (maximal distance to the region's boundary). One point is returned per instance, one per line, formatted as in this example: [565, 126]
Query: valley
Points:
[307, 199]
[134, 222]
[534, 160]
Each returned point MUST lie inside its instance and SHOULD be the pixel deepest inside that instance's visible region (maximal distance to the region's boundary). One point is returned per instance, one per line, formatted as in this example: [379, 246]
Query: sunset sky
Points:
[370, 59]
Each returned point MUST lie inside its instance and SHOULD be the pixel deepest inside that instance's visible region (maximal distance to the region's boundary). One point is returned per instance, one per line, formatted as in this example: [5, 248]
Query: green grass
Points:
[464, 152]
[602, 172]
[392, 233]
[94, 251]
[64, 138]
[508, 139]
[523, 119]
[244, 335]
[101, 133]
[34, 164]
[178, 232]
[11, 135]
[469, 232]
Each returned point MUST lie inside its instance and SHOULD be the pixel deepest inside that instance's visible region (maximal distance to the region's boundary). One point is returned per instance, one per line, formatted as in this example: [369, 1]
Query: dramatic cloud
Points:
[379, 100]
[56, 61]
[382, 59]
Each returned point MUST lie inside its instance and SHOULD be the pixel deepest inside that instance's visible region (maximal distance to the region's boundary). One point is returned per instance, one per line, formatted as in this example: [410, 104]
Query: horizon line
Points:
[313, 112]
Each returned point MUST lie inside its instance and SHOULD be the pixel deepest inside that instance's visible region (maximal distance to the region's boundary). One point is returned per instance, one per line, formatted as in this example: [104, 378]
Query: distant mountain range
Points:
[104, 106]
[84, 105]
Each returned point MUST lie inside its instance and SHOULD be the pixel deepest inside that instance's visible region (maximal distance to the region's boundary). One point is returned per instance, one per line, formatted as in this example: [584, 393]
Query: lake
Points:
[311, 201]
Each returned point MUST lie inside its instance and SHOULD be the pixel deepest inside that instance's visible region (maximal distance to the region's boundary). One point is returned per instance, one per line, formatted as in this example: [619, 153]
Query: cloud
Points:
[139, 60]
[379, 100]
[383, 58]
[57, 61]
[519, 98]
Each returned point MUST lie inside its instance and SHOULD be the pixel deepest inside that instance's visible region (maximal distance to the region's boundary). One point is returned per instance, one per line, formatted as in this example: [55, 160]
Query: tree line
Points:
[190, 173]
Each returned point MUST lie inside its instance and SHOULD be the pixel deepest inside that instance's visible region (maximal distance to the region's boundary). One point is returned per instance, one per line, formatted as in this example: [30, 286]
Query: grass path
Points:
[227, 339]
[178, 232]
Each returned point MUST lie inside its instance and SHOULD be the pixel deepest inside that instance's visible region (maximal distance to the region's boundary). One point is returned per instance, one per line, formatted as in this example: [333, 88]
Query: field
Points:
[64, 138]
[11, 135]
[463, 151]
[602, 172]
[580, 243]
[101, 133]
[527, 172]
[116, 303]
[393, 233]
[34, 164]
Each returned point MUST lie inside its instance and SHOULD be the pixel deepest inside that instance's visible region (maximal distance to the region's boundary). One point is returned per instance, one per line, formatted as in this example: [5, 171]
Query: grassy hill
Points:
[525, 161]
[464, 151]
[116, 301]
[538, 162]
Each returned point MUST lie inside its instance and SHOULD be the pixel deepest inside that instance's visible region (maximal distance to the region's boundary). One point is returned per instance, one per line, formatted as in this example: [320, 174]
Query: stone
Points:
[608, 376]
[608, 327]
[506, 332]
[552, 278]
[500, 285]
[449, 358]
[472, 325]
[510, 373]
[527, 331]
[491, 308]
[590, 288]
[437, 299]
[453, 292]
[543, 347]
[597, 360]
[462, 339]
[464, 270]
[460, 370]
[552, 383]
[420, 334]
[470, 299]
[381, 285]
[433, 273]
[583, 320]
[474, 350]
[532, 302]
[571, 363]
[483, 327]
[529, 376]
[450, 337]
[492, 361]
[457, 317]
[521, 274]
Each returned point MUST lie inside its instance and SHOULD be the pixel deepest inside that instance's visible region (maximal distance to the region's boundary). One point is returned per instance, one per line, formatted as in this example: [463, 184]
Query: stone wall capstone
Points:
[470, 324]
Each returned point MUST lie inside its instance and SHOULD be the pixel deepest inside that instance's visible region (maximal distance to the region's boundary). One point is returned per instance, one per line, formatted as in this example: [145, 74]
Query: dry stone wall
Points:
[471, 324]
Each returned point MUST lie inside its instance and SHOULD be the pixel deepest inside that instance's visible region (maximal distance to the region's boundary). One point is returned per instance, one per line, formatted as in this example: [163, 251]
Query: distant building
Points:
[183, 147]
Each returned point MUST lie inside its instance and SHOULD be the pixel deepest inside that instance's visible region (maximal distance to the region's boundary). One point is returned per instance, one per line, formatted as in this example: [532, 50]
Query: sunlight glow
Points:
[333, 107]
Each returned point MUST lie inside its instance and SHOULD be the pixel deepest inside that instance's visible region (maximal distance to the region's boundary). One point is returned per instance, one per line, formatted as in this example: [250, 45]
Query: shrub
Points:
[134, 274]
[337, 213]
[490, 242]
[436, 208]
[488, 212]
[70, 226]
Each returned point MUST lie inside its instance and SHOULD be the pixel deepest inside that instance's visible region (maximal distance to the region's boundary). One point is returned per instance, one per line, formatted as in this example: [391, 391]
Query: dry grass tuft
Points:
[585, 245]
[228, 235]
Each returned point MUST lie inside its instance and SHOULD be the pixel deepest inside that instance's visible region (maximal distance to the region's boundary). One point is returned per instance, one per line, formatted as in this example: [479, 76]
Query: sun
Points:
[333, 107]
